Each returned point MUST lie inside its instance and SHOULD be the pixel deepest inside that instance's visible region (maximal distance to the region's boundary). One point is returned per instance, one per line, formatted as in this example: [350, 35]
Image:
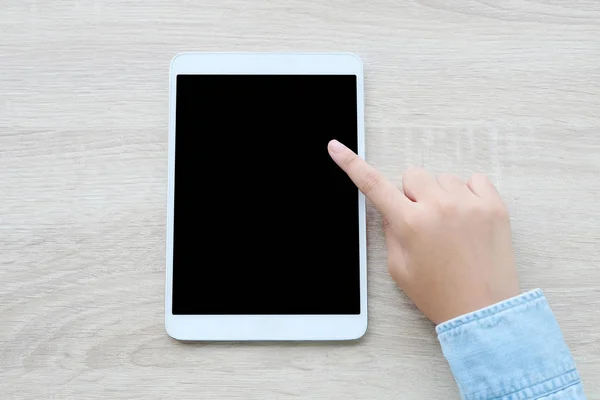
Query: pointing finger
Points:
[381, 192]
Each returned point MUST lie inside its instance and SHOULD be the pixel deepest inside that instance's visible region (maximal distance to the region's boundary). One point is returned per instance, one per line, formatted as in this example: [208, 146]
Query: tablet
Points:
[265, 234]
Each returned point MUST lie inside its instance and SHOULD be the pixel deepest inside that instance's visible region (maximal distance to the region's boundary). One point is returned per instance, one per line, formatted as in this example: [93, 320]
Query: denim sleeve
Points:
[512, 350]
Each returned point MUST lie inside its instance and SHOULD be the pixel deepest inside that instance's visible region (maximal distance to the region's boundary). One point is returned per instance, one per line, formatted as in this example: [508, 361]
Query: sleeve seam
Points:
[525, 299]
[538, 396]
[562, 389]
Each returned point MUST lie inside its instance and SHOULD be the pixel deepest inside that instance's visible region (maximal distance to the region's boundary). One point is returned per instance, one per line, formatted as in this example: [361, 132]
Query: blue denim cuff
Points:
[510, 350]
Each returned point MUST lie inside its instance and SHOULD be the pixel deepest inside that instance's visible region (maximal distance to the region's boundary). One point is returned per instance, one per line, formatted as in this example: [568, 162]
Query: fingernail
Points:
[335, 146]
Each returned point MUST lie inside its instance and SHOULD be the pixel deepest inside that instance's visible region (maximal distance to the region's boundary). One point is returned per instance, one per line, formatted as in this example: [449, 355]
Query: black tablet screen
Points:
[264, 221]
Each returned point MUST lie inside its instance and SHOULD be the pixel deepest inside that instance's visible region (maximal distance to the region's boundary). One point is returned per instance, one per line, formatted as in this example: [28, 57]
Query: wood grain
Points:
[510, 88]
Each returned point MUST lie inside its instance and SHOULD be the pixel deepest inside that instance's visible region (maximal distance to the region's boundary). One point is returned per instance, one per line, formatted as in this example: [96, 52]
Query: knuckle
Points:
[479, 175]
[446, 177]
[480, 178]
[490, 211]
[411, 173]
[474, 208]
[369, 181]
[413, 220]
[497, 211]
[476, 212]
[450, 179]
[447, 206]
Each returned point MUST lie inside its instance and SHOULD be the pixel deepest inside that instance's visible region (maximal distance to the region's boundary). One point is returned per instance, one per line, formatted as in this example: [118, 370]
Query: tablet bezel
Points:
[264, 327]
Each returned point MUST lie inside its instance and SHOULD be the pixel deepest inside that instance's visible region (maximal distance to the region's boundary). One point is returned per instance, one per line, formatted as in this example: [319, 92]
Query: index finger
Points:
[381, 192]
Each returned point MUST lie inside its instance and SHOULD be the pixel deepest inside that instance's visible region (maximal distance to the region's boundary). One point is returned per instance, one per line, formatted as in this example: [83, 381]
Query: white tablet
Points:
[265, 234]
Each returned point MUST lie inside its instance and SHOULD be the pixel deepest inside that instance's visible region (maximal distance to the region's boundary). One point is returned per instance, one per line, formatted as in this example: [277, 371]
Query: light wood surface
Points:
[510, 88]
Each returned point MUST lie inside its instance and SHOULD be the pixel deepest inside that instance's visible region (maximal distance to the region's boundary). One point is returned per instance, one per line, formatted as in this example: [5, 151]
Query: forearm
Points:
[511, 350]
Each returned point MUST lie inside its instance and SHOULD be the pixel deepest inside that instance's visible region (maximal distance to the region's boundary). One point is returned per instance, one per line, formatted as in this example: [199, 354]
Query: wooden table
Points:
[510, 88]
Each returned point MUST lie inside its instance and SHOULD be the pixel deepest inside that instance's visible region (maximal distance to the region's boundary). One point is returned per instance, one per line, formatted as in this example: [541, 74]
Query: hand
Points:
[449, 241]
